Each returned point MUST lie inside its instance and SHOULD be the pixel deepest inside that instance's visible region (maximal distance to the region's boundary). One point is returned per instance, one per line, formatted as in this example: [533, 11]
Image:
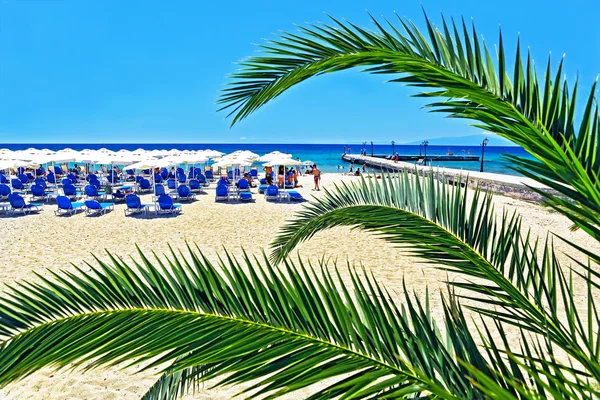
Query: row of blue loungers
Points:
[95, 202]
[224, 192]
[134, 205]
[227, 192]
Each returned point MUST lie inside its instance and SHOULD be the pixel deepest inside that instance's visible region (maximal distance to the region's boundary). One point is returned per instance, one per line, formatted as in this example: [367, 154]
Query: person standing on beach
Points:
[317, 176]
[281, 176]
[268, 169]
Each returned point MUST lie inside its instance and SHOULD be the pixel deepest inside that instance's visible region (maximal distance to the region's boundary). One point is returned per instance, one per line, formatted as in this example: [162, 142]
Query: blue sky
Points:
[123, 71]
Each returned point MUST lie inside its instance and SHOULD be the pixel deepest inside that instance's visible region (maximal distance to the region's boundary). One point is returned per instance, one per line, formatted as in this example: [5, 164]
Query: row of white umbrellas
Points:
[104, 156]
[140, 158]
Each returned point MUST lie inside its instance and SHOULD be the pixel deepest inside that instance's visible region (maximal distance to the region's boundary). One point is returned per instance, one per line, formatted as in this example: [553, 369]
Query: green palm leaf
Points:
[540, 117]
[522, 285]
[283, 330]
[174, 384]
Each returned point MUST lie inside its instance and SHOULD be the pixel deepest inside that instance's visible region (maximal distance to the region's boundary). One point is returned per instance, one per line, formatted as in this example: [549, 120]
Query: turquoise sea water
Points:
[326, 156]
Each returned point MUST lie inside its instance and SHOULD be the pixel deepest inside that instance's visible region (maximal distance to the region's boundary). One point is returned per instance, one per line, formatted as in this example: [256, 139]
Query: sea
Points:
[328, 157]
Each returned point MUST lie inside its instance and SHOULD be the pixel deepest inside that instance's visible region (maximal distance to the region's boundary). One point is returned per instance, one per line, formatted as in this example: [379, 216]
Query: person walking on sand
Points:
[317, 176]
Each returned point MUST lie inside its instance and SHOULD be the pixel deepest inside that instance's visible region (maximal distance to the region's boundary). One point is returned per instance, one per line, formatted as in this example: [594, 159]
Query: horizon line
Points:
[388, 143]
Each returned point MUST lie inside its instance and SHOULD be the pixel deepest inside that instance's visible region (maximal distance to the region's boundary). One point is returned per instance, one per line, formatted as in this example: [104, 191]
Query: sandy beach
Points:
[38, 243]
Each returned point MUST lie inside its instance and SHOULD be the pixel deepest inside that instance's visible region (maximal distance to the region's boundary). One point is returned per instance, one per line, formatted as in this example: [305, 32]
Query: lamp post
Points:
[483, 144]
[393, 143]
[420, 149]
[372, 148]
[425, 144]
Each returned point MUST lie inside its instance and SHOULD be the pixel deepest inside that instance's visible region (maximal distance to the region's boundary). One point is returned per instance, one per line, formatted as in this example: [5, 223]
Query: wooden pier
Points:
[510, 185]
[413, 158]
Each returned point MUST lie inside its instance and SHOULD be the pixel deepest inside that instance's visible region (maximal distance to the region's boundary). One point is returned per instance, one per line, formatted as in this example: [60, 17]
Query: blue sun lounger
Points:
[294, 195]
[262, 188]
[66, 207]
[243, 185]
[17, 204]
[91, 192]
[70, 191]
[184, 193]
[245, 196]
[272, 193]
[38, 193]
[195, 186]
[144, 186]
[165, 205]
[221, 193]
[4, 191]
[92, 207]
[134, 205]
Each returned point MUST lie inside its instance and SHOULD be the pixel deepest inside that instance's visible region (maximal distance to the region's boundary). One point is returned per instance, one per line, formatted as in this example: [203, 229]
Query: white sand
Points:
[44, 241]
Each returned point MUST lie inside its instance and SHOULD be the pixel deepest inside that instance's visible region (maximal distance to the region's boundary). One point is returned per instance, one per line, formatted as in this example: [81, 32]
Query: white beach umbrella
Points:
[6, 154]
[285, 162]
[234, 163]
[104, 150]
[27, 154]
[12, 164]
[190, 158]
[274, 155]
[157, 153]
[93, 156]
[47, 159]
[212, 153]
[5, 164]
[118, 159]
[30, 150]
[112, 159]
[244, 154]
[228, 162]
[69, 153]
[150, 164]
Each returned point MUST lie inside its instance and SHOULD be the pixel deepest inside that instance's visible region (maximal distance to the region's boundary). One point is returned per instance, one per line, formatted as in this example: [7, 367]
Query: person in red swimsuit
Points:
[317, 175]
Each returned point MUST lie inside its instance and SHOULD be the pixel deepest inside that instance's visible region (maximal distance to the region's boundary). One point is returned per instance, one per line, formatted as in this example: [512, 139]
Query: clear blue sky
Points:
[122, 71]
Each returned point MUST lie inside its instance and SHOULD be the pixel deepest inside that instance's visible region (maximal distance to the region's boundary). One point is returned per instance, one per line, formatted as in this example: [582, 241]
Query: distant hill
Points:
[471, 140]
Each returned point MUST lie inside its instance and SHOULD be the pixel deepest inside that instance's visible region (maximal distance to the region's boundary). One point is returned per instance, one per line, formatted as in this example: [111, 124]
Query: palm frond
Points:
[285, 329]
[173, 385]
[508, 279]
[453, 64]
